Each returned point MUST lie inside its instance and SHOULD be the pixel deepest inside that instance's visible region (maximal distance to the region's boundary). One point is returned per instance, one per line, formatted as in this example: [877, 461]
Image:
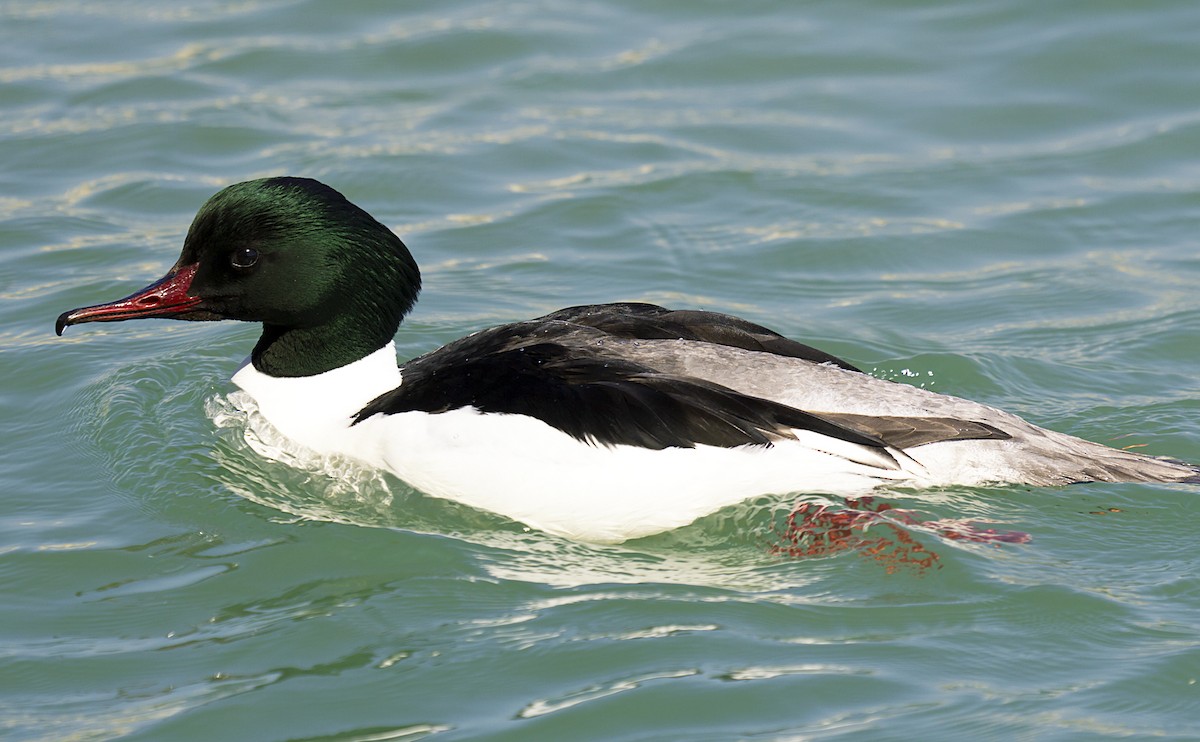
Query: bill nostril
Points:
[149, 301]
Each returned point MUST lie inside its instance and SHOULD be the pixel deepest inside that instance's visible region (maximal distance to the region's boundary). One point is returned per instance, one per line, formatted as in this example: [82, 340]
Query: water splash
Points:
[325, 487]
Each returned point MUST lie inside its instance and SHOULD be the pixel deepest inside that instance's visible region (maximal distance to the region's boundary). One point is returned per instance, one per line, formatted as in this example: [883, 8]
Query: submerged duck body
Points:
[602, 422]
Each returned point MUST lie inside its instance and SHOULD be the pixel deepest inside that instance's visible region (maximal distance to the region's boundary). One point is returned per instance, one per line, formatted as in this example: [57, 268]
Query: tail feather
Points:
[1093, 462]
[1044, 458]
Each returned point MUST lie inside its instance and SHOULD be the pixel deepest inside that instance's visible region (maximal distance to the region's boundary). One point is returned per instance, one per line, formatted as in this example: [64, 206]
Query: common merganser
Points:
[604, 422]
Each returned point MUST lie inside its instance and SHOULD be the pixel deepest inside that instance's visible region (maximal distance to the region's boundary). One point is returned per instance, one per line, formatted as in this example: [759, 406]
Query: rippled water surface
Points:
[995, 199]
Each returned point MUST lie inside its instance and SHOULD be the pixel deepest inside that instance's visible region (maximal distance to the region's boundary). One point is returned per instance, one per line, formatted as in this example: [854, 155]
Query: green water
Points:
[995, 199]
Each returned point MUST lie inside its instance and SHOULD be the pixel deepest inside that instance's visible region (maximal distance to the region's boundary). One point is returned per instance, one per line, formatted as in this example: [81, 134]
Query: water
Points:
[993, 199]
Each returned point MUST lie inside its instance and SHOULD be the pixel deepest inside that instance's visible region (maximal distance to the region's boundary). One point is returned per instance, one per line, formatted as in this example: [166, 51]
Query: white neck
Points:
[313, 410]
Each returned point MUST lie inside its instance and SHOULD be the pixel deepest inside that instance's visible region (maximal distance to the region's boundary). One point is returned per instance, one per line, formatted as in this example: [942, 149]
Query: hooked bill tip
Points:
[61, 323]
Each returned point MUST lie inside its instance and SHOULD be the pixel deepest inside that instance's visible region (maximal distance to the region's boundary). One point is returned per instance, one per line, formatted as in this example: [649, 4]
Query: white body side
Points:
[522, 468]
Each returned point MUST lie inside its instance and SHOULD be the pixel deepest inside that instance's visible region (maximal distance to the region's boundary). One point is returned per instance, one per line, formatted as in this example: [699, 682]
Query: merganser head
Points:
[329, 283]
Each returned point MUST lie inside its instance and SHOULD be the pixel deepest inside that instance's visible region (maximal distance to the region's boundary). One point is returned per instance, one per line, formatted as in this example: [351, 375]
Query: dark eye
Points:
[244, 257]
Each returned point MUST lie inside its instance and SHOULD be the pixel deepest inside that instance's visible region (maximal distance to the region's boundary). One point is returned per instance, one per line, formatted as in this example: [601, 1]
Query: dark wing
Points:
[637, 321]
[593, 397]
[553, 369]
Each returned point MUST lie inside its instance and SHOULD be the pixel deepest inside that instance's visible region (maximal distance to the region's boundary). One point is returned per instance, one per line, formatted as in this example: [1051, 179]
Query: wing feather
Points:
[558, 370]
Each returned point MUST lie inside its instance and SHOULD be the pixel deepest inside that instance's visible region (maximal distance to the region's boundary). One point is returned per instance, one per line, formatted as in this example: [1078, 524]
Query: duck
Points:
[600, 423]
